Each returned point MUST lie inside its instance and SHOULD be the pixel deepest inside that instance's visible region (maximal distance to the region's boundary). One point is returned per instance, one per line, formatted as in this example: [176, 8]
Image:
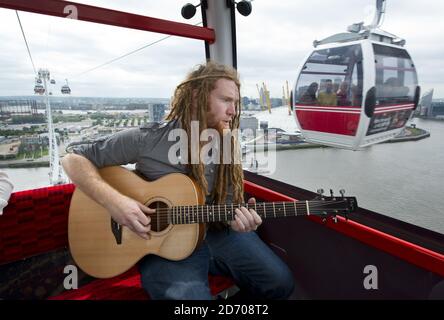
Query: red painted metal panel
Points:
[337, 122]
[110, 17]
[405, 250]
[408, 251]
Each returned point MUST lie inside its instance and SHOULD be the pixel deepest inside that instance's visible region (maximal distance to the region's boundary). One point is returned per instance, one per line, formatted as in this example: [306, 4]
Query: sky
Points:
[272, 42]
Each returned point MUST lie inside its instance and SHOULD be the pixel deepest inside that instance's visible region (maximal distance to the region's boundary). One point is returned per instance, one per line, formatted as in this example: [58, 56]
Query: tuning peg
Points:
[342, 192]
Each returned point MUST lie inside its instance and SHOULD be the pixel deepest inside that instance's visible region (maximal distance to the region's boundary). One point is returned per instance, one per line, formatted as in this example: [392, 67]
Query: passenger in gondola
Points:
[390, 86]
[395, 90]
[210, 97]
[336, 86]
[327, 97]
[356, 95]
[342, 94]
[6, 188]
[309, 95]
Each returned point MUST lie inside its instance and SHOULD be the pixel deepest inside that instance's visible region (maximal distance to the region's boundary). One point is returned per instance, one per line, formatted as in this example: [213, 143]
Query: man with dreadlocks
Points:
[209, 97]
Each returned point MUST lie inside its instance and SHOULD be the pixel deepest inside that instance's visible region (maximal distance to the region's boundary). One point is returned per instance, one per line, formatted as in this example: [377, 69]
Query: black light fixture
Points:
[243, 7]
[189, 10]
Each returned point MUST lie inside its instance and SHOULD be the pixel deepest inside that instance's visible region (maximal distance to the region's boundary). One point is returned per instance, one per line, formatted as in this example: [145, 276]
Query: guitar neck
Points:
[226, 212]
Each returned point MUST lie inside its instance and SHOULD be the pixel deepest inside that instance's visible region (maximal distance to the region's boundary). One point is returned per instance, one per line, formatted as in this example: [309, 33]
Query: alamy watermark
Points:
[256, 147]
[71, 281]
[371, 278]
[71, 11]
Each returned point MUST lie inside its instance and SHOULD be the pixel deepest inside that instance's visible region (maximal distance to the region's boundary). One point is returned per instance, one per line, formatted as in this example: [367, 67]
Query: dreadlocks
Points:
[197, 87]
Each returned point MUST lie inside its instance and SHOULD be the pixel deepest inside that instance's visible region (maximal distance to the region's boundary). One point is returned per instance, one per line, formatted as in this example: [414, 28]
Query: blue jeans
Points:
[243, 256]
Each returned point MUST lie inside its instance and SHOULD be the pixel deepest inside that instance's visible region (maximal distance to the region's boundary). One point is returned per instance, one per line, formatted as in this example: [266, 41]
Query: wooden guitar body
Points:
[94, 246]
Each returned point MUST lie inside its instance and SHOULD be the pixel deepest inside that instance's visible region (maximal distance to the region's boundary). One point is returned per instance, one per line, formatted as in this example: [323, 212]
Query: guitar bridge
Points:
[117, 231]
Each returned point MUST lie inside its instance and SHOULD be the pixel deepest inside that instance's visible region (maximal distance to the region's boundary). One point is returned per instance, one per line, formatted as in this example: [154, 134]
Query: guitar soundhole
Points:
[159, 220]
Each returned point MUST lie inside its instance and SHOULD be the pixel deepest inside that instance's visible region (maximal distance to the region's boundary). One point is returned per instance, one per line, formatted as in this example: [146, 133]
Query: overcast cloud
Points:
[272, 42]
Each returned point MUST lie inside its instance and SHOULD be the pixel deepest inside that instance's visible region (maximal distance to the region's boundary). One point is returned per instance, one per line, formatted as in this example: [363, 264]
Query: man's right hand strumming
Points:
[132, 214]
[124, 210]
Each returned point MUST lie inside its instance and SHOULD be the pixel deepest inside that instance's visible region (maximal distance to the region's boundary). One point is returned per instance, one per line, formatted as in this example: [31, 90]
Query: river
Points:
[404, 180]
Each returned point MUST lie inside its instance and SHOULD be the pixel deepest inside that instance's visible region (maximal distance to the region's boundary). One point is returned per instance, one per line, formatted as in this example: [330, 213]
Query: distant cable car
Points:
[357, 88]
[39, 89]
[65, 88]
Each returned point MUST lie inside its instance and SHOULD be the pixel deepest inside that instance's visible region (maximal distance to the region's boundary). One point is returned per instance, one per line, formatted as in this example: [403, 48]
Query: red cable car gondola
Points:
[356, 89]
[39, 89]
[65, 88]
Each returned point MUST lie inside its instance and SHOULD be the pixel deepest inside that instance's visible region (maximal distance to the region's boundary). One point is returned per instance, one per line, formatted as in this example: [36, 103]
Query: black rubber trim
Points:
[203, 8]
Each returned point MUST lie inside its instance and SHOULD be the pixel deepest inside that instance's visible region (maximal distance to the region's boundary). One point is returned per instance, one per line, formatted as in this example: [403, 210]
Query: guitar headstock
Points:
[333, 205]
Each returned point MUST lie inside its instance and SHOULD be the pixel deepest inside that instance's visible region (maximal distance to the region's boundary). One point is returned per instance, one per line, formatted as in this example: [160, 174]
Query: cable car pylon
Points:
[56, 174]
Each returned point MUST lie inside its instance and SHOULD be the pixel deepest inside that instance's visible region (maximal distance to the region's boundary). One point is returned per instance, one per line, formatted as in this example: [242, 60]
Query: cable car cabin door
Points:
[341, 97]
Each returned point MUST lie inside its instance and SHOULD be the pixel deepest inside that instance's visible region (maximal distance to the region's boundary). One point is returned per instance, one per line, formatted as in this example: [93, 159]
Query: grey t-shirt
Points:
[147, 147]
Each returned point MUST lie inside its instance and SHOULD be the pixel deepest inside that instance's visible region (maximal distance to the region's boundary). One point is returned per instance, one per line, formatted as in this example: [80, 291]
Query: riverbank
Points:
[283, 146]
[410, 134]
[31, 162]
[26, 163]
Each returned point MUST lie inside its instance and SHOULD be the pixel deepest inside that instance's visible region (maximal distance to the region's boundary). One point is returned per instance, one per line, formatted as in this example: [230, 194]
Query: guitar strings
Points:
[263, 205]
[192, 220]
[186, 216]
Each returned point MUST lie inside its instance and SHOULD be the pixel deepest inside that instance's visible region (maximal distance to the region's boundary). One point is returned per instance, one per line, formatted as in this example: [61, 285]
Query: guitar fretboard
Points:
[226, 212]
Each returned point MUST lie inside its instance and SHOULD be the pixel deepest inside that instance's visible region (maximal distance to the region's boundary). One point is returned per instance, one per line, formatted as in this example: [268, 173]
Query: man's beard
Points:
[221, 128]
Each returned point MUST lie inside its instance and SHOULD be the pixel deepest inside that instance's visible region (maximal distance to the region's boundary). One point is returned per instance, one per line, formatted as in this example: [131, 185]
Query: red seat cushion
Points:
[127, 286]
[36, 222]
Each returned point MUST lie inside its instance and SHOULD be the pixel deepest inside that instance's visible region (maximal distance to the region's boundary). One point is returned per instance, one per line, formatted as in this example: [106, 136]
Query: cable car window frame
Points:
[351, 59]
[389, 89]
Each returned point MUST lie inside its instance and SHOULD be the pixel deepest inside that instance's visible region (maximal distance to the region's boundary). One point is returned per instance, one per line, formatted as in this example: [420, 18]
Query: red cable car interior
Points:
[332, 102]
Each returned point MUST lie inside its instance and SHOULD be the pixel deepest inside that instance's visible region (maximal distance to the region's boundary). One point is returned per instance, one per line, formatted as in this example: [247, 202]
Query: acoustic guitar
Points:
[102, 248]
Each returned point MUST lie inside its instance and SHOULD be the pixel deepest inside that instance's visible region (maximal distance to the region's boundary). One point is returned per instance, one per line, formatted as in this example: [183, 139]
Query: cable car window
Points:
[396, 77]
[355, 89]
[331, 77]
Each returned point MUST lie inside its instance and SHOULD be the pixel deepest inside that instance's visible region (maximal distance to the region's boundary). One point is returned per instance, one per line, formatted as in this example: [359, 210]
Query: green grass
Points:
[415, 131]
[33, 154]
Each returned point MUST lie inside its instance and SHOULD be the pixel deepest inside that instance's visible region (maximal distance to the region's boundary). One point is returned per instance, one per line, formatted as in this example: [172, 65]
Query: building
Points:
[429, 108]
[35, 139]
[437, 109]
[156, 112]
[425, 104]
[137, 106]
[9, 108]
[10, 149]
[249, 123]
